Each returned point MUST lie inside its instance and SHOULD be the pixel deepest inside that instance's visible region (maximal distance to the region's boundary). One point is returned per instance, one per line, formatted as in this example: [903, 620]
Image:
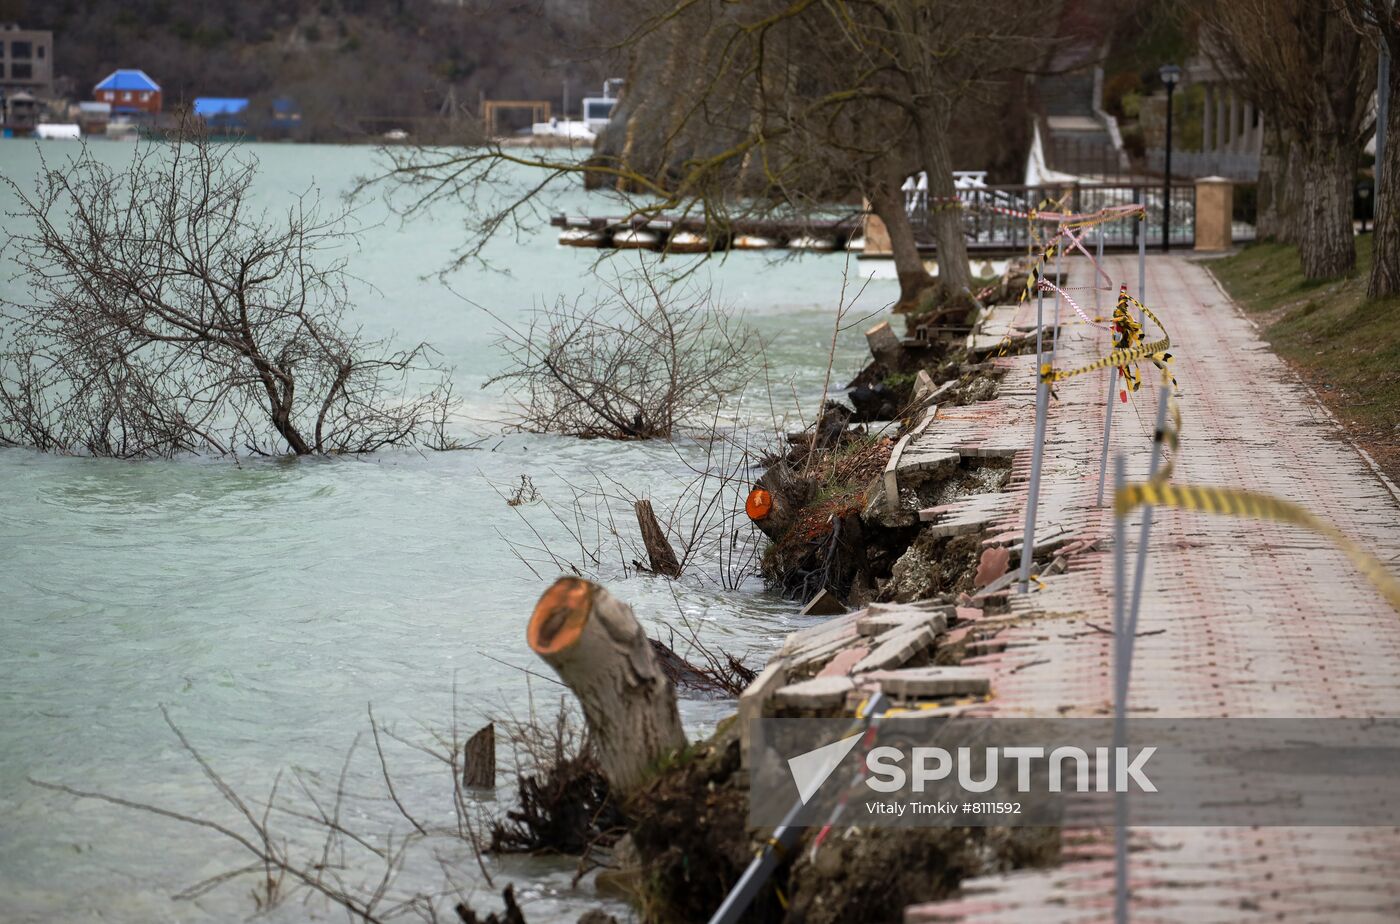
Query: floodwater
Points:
[266, 604]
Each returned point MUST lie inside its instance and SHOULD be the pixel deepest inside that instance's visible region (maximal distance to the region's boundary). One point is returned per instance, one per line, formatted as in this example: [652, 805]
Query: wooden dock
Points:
[688, 234]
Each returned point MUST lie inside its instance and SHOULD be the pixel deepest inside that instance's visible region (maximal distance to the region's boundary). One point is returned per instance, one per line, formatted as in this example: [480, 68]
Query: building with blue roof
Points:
[285, 109]
[130, 91]
[222, 113]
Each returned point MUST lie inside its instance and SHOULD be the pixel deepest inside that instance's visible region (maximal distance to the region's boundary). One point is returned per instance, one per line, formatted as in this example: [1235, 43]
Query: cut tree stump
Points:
[787, 494]
[884, 344]
[659, 551]
[479, 759]
[600, 651]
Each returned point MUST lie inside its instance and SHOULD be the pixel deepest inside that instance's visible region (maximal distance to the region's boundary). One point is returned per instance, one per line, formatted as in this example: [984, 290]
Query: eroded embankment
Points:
[897, 524]
[900, 530]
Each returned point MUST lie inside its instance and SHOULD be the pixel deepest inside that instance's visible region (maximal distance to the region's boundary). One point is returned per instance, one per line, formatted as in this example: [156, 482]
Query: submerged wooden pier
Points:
[686, 234]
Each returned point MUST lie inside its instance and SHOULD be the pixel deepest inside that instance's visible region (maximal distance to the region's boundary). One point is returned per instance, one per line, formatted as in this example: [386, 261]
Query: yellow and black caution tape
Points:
[1170, 438]
[1127, 333]
[1160, 492]
[1068, 223]
[1241, 503]
[1130, 349]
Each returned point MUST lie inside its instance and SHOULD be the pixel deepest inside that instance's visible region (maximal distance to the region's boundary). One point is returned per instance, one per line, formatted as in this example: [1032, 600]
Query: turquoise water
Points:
[267, 603]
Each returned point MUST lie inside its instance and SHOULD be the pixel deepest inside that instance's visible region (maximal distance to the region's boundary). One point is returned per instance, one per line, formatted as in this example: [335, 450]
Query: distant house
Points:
[131, 92]
[285, 111]
[94, 116]
[222, 114]
[284, 119]
[21, 113]
[26, 61]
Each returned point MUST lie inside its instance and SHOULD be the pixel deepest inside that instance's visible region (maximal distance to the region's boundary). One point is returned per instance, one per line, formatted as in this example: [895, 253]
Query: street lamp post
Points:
[1170, 75]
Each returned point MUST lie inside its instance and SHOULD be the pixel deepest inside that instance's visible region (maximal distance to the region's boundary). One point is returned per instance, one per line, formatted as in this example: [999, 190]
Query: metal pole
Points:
[1139, 229]
[1142, 265]
[1163, 395]
[1124, 639]
[785, 837]
[1098, 264]
[1055, 334]
[1042, 410]
[761, 868]
[1039, 321]
[1112, 388]
[1167, 180]
[1120, 691]
[1107, 429]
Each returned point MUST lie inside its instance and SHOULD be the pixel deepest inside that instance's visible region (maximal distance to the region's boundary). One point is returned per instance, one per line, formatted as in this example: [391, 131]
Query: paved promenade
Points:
[1256, 619]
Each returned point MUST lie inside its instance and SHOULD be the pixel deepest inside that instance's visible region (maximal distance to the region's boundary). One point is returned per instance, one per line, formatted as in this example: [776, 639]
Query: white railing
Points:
[1232, 166]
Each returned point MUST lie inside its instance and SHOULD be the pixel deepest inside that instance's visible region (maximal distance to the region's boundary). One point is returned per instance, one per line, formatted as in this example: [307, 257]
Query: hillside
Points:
[353, 66]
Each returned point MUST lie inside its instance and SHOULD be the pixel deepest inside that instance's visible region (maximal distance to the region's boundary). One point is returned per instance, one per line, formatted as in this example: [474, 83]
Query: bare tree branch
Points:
[164, 317]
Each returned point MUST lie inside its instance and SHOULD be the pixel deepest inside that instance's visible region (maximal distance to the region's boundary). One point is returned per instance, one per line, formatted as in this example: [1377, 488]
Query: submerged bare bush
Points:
[166, 315]
[638, 362]
[563, 801]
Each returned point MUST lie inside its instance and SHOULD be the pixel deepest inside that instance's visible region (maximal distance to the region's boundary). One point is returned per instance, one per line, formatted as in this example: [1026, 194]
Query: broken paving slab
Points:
[1051, 536]
[844, 661]
[968, 515]
[992, 564]
[897, 650]
[810, 660]
[895, 463]
[882, 619]
[821, 633]
[984, 450]
[915, 682]
[824, 603]
[751, 702]
[923, 386]
[927, 392]
[999, 585]
[927, 458]
[817, 693]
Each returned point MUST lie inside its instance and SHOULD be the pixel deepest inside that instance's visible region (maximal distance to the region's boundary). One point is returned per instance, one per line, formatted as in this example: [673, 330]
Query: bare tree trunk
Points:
[659, 552]
[954, 272]
[599, 650]
[887, 201]
[1326, 243]
[1385, 244]
[282, 422]
[652, 91]
[1278, 196]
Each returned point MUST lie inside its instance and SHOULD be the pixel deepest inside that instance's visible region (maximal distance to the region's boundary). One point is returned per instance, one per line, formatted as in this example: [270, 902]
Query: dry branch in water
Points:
[661, 557]
[165, 316]
[704, 525]
[563, 802]
[644, 359]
